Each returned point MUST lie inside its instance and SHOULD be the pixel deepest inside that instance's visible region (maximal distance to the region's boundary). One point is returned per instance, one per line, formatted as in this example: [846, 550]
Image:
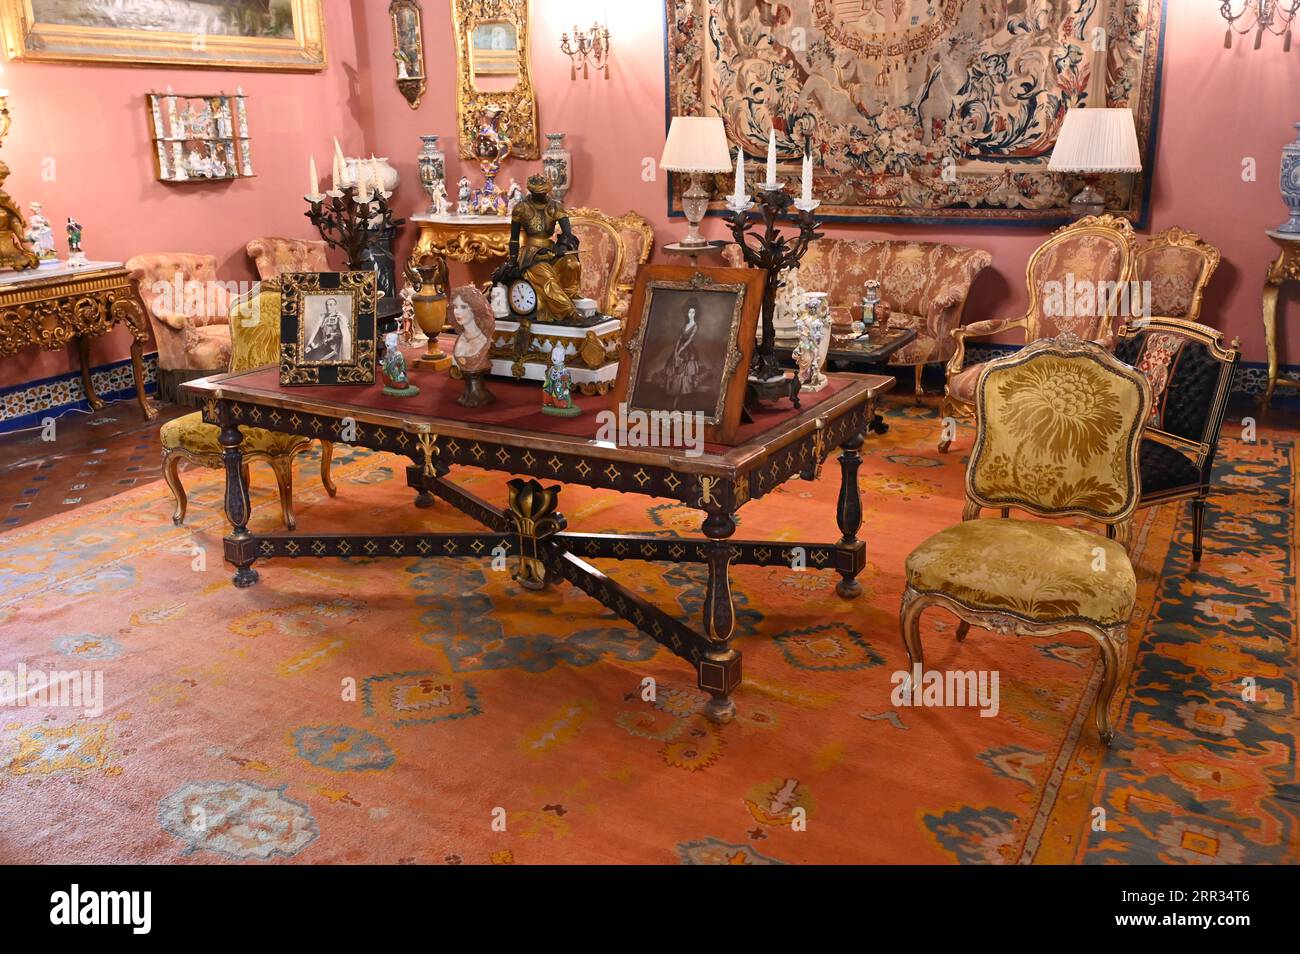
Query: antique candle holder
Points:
[775, 251]
[357, 224]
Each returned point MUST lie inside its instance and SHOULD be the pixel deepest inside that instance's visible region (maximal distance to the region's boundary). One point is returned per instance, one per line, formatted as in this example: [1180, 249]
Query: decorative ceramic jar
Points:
[433, 169]
[557, 165]
[1291, 183]
[386, 172]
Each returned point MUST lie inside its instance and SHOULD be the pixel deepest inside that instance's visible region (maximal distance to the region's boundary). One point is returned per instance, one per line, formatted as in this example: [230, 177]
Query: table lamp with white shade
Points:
[695, 144]
[1093, 142]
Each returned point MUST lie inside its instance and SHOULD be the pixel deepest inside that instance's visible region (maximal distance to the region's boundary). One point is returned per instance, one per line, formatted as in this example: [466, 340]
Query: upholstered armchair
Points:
[189, 313]
[274, 256]
[1178, 264]
[1058, 429]
[611, 249]
[255, 326]
[1190, 373]
[924, 283]
[1074, 280]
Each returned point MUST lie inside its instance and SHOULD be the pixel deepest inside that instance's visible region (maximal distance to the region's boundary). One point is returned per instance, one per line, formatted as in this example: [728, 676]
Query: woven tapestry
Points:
[917, 110]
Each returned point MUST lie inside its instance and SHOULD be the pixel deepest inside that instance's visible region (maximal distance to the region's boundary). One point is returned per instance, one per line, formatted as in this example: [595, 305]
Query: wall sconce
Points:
[1273, 16]
[589, 48]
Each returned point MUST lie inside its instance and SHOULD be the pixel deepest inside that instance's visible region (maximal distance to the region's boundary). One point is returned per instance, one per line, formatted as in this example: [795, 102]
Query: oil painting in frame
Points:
[226, 34]
[327, 328]
[687, 343]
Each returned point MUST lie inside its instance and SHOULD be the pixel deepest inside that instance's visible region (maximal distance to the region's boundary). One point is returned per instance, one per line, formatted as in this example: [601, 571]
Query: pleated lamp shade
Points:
[1097, 140]
[696, 144]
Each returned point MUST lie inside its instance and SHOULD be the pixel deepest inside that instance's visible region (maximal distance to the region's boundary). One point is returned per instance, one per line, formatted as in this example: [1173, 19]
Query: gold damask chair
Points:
[1058, 428]
[1096, 253]
[611, 249]
[255, 335]
[273, 256]
[1178, 264]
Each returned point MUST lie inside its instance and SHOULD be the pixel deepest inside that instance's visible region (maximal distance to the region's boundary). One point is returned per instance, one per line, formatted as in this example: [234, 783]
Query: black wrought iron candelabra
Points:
[775, 251]
[362, 227]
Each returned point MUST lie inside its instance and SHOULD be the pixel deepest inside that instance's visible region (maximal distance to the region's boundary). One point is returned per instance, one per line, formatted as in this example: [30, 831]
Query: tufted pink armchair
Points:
[188, 309]
[924, 283]
[275, 255]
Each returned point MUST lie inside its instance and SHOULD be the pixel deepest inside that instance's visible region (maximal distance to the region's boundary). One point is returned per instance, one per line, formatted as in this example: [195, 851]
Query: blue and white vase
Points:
[1291, 183]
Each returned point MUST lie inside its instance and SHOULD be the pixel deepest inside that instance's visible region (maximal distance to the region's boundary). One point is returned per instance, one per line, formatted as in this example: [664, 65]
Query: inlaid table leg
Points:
[88, 388]
[849, 514]
[239, 543]
[719, 667]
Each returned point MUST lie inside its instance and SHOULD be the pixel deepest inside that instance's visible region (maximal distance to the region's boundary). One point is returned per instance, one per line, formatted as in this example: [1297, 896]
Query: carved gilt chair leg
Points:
[919, 392]
[283, 467]
[946, 414]
[171, 459]
[326, 460]
[909, 624]
[1108, 641]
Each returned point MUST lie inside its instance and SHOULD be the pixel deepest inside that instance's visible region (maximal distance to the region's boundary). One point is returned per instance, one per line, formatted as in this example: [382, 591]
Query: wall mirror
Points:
[493, 69]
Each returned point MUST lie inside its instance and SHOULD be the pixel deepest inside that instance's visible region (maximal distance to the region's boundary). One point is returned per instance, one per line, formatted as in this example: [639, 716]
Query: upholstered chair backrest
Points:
[1178, 265]
[611, 249]
[1058, 428]
[1078, 278]
[274, 256]
[1190, 374]
[255, 329]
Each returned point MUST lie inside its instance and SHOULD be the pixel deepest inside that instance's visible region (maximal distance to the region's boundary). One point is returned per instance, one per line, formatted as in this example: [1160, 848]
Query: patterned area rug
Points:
[433, 711]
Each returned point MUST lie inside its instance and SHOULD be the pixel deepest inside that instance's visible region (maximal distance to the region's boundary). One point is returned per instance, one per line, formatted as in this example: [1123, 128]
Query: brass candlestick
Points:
[774, 251]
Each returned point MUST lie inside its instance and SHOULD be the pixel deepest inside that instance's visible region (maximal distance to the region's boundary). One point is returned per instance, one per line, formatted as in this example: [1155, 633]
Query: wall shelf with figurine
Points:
[200, 137]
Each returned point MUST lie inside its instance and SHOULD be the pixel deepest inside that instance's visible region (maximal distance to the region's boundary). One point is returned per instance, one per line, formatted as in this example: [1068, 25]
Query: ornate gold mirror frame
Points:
[408, 49]
[519, 103]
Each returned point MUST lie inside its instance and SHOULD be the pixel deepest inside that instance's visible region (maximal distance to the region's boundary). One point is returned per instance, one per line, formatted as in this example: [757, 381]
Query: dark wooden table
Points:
[513, 436]
[873, 348]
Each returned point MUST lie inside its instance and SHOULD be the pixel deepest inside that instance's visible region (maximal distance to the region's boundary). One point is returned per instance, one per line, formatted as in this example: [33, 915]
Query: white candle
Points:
[807, 177]
[375, 178]
[311, 178]
[771, 156]
[740, 176]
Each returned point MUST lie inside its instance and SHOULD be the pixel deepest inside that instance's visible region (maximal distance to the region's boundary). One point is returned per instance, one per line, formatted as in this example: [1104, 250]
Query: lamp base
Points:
[1089, 200]
[695, 202]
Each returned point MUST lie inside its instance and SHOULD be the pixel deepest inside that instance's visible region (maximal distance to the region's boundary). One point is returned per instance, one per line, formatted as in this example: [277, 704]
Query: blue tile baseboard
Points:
[1252, 376]
[25, 405]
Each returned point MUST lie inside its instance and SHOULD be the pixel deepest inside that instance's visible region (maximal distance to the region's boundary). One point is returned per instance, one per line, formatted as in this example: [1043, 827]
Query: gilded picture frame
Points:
[687, 342]
[494, 66]
[408, 49]
[33, 31]
[327, 328]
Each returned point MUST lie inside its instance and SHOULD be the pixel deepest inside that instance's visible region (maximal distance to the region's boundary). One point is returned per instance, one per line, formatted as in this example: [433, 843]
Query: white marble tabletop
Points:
[61, 270]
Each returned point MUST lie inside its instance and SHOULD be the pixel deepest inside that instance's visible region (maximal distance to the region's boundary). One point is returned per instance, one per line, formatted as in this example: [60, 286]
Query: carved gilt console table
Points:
[461, 238]
[1285, 268]
[51, 307]
[514, 437]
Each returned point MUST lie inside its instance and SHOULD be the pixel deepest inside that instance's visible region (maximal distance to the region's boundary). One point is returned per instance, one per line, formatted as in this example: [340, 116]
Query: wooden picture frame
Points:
[124, 34]
[664, 367]
[327, 328]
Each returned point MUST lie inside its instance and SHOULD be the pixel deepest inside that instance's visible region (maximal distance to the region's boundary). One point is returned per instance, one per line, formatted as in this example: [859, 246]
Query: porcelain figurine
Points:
[814, 327]
[441, 205]
[40, 236]
[514, 196]
[76, 257]
[557, 387]
[472, 354]
[393, 367]
[462, 196]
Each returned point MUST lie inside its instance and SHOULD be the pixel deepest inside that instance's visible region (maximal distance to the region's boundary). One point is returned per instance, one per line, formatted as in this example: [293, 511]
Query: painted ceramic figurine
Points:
[557, 388]
[814, 326]
[75, 255]
[441, 205]
[40, 236]
[462, 196]
[475, 326]
[514, 196]
[393, 367]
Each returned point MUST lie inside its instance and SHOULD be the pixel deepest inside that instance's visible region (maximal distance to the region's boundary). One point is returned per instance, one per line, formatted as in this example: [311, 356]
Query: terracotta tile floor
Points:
[99, 455]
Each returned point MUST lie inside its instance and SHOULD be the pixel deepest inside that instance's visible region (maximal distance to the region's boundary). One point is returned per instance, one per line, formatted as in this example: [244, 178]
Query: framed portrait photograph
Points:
[235, 34]
[327, 328]
[687, 343]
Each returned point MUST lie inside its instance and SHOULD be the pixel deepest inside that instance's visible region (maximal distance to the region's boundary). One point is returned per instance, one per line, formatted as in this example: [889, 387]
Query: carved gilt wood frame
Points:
[520, 103]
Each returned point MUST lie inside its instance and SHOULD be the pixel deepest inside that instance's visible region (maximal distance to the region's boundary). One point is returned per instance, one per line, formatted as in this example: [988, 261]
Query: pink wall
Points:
[1218, 107]
[92, 122]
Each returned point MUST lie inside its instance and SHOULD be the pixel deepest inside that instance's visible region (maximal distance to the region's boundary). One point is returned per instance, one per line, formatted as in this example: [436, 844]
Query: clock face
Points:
[523, 298]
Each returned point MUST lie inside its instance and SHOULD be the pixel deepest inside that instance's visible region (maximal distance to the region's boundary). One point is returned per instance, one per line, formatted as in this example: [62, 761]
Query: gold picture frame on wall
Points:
[257, 36]
[493, 69]
[408, 49]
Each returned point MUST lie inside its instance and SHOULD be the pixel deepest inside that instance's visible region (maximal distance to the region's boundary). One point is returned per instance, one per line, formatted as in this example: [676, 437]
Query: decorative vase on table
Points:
[1291, 184]
[557, 165]
[372, 163]
[433, 169]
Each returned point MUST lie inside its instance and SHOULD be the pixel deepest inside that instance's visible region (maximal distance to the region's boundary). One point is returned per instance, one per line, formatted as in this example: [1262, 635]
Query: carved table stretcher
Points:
[514, 437]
